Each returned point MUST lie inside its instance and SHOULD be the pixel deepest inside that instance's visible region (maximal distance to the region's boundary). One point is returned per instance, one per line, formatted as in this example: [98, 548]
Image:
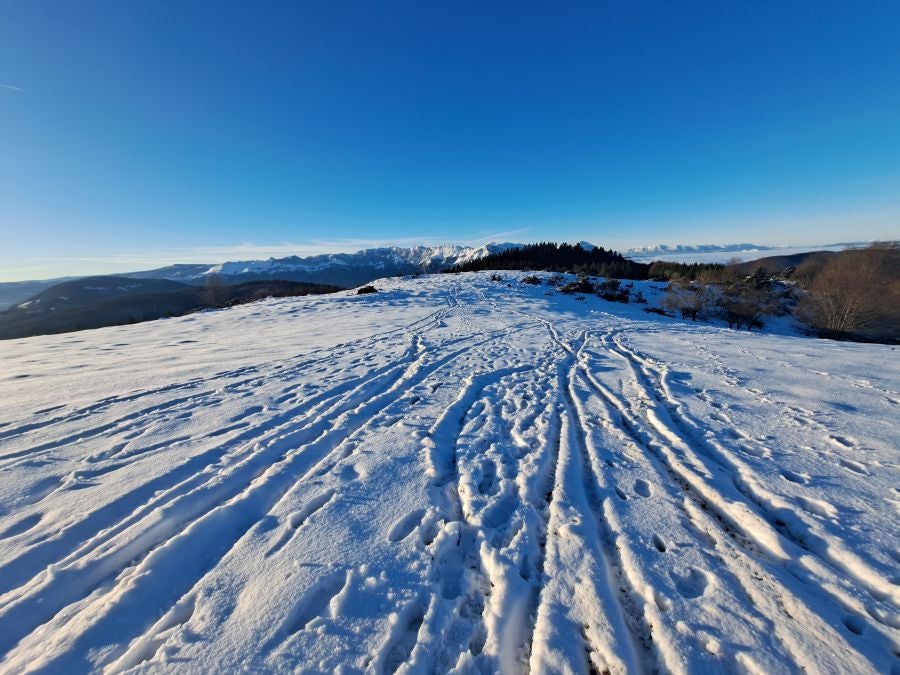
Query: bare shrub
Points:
[612, 285]
[216, 290]
[691, 299]
[856, 293]
[808, 270]
[616, 296]
[743, 306]
[582, 285]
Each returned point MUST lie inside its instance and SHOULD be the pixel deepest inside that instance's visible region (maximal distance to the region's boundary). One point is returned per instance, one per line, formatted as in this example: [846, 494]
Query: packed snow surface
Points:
[451, 474]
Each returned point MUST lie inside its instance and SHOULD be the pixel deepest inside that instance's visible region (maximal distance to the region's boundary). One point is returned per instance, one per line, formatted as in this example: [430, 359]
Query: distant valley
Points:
[95, 302]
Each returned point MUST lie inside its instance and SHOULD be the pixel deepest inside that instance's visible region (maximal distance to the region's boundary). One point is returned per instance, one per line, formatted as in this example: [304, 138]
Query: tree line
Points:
[552, 257]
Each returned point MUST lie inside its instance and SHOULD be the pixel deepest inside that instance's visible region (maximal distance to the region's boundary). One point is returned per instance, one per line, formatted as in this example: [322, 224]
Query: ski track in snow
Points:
[452, 475]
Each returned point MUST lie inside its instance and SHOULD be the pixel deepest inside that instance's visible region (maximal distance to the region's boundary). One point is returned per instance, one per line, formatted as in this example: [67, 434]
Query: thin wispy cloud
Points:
[11, 87]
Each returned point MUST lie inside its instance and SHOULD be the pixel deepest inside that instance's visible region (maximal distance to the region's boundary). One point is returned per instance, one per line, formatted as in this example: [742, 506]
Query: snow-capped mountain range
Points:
[340, 269]
[343, 269]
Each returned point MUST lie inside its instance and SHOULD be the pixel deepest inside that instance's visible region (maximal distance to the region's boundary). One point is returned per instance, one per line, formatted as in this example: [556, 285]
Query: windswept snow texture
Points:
[452, 474]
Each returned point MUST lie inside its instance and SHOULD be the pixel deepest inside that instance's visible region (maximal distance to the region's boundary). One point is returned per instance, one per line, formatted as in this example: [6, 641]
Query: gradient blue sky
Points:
[142, 133]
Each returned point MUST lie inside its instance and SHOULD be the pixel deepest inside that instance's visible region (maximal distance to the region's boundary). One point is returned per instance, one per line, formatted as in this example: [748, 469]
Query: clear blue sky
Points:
[135, 133]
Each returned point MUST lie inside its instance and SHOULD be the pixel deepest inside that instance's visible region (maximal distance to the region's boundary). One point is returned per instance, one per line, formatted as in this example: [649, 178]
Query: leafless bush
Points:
[612, 285]
[582, 285]
[808, 270]
[691, 299]
[216, 291]
[856, 294]
[744, 306]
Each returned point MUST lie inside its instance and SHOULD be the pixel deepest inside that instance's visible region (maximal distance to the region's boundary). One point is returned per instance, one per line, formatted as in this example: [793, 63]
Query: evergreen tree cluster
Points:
[552, 257]
[663, 269]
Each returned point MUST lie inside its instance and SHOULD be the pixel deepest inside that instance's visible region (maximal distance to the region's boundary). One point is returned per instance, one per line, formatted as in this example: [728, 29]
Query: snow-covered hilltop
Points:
[451, 473]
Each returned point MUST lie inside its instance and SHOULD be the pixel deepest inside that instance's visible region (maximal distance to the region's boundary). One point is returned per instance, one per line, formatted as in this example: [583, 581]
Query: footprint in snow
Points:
[841, 441]
[751, 448]
[692, 583]
[818, 507]
[856, 467]
[315, 601]
[248, 412]
[41, 489]
[405, 525]
[489, 476]
[21, 526]
[793, 477]
[854, 623]
[500, 511]
[642, 488]
[348, 473]
[296, 520]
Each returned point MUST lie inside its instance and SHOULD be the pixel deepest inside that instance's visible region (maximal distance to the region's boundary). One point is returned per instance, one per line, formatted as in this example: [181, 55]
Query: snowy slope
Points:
[451, 473]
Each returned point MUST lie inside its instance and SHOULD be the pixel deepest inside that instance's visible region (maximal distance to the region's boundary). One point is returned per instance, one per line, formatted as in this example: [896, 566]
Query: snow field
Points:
[452, 475]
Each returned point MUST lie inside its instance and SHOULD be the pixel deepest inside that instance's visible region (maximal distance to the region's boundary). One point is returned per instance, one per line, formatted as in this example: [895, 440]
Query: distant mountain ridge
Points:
[14, 292]
[337, 269]
[77, 293]
[342, 269]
